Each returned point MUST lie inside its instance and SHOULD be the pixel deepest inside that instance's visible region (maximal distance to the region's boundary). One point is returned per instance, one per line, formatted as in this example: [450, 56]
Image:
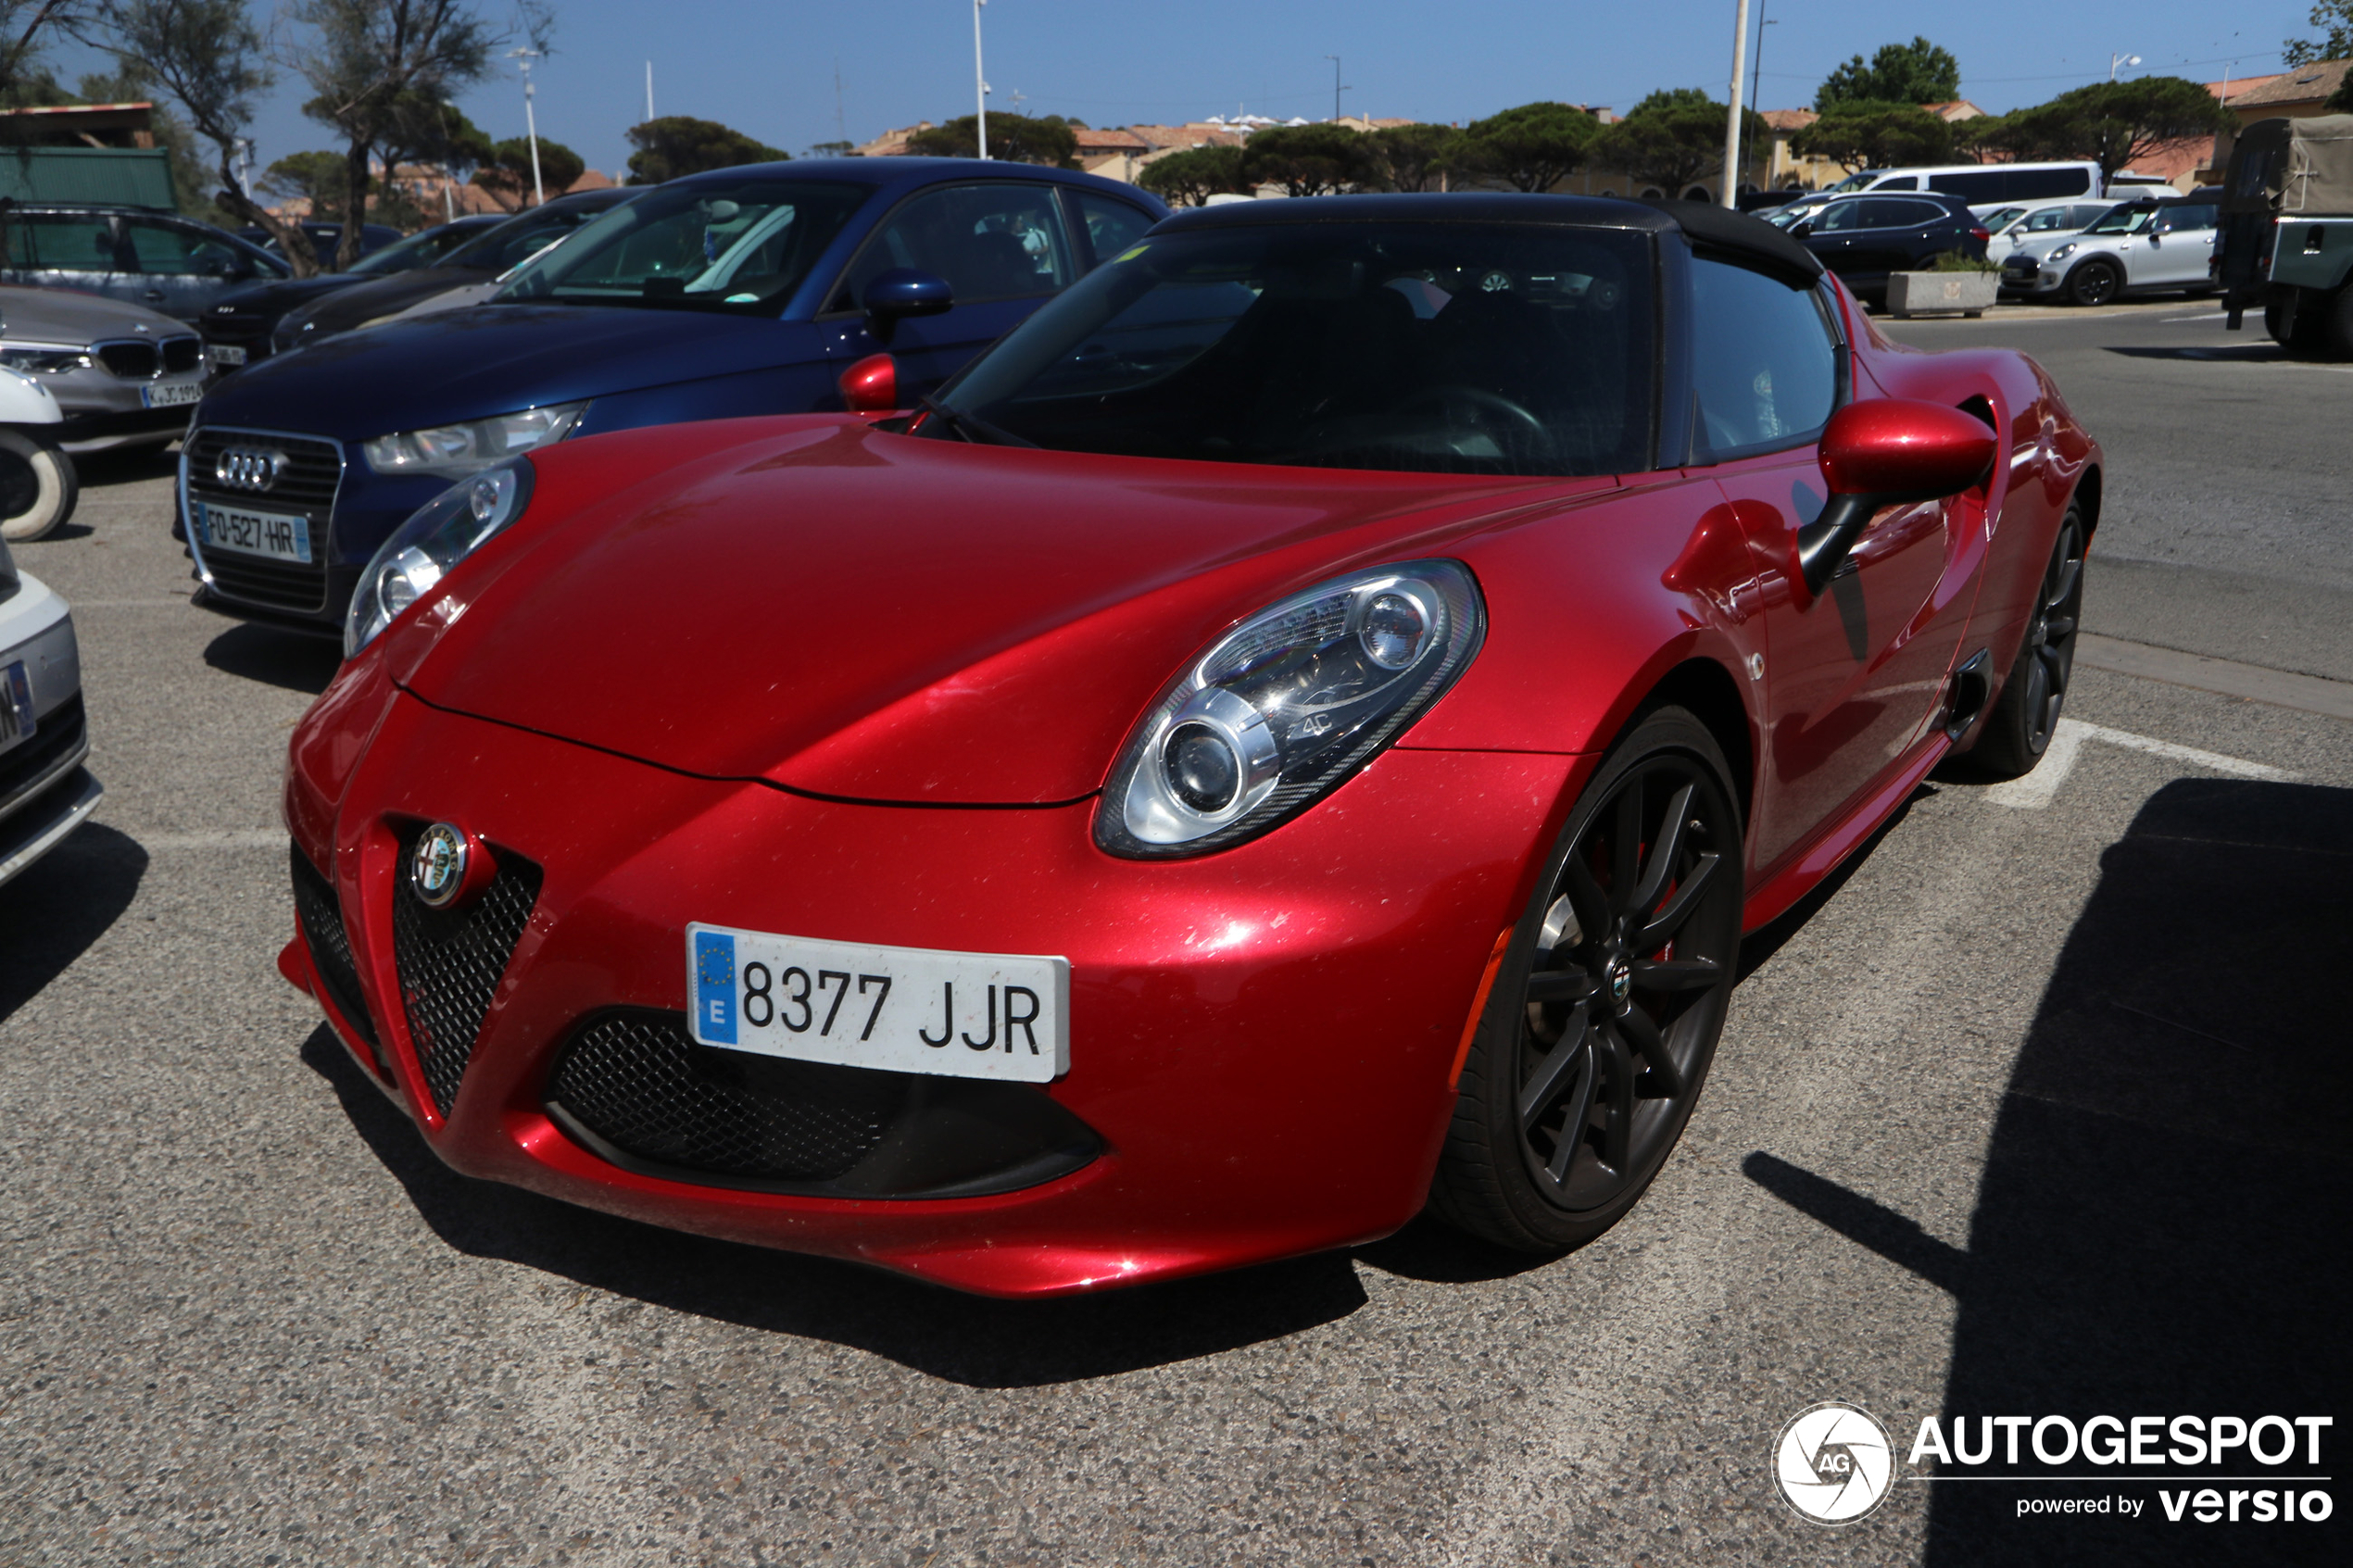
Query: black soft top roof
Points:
[1703, 224]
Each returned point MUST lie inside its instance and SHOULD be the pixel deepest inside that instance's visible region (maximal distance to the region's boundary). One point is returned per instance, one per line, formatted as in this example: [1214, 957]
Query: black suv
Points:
[1865, 237]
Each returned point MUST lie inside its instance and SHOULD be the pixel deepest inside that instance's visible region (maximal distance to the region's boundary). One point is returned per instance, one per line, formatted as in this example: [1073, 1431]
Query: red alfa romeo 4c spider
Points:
[1292, 735]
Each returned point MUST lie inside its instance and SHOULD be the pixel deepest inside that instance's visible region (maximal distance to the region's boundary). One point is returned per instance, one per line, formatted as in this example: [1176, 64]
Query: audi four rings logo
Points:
[248, 468]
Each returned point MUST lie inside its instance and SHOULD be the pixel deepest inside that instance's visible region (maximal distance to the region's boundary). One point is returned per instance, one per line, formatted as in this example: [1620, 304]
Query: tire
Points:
[1621, 1026]
[2306, 337]
[2019, 730]
[2094, 282]
[38, 486]
[2336, 321]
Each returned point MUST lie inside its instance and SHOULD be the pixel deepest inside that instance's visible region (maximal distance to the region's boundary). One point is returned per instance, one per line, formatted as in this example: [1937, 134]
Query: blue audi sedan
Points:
[743, 290]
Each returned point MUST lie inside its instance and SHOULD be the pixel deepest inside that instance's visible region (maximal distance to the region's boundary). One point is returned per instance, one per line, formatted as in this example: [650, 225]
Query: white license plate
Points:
[171, 394]
[16, 705]
[222, 353]
[905, 1010]
[253, 533]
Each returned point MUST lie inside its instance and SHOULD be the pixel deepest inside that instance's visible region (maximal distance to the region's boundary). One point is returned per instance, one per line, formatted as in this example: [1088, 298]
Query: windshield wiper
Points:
[973, 428]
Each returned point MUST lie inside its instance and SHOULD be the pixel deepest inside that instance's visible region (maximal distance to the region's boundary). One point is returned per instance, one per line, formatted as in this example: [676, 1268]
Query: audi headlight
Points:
[455, 451]
[438, 535]
[43, 358]
[1286, 706]
[2062, 253]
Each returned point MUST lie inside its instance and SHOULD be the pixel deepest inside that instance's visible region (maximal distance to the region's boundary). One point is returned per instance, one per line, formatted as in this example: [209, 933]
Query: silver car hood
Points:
[62, 316]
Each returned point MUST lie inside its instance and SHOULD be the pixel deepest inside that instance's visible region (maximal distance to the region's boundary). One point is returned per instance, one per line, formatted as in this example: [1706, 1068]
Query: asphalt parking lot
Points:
[2042, 1108]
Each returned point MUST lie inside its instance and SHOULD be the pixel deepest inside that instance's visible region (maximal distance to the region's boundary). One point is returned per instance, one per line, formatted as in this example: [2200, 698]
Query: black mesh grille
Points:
[182, 354]
[59, 736]
[450, 961]
[330, 944]
[306, 484]
[637, 1081]
[131, 360]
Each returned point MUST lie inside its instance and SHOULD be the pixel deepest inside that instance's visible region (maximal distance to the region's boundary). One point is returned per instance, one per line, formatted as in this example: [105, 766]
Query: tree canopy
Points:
[1310, 161]
[1190, 178]
[679, 143]
[1013, 138]
[1917, 73]
[1672, 139]
[1532, 147]
[2111, 123]
[1871, 135]
[506, 172]
[2335, 18]
[1413, 157]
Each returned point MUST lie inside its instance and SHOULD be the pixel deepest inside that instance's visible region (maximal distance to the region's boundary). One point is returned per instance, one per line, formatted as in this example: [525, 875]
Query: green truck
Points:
[2286, 239]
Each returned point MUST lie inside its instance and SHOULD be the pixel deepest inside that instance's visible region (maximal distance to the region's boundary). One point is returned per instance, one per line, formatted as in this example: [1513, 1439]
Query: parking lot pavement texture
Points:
[2040, 1107]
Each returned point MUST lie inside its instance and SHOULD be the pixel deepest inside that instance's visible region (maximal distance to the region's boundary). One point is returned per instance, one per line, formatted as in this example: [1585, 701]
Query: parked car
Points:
[44, 792]
[1863, 239]
[486, 256]
[2288, 238]
[2136, 247]
[238, 326]
[743, 290]
[151, 259]
[84, 374]
[1285, 740]
[2014, 226]
[1985, 182]
[326, 239]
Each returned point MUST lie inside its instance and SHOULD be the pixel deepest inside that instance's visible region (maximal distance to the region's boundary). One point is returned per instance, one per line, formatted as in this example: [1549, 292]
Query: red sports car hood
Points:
[872, 617]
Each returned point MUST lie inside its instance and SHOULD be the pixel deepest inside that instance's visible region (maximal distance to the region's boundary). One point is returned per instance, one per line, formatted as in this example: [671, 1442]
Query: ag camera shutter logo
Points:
[1834, 1464]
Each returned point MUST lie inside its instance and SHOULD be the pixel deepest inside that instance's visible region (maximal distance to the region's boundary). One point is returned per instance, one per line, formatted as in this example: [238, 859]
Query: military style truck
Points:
[2286, 239]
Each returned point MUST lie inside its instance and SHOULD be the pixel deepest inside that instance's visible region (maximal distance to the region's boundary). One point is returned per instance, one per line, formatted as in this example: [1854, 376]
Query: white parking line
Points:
[2209, 316]
[227, 838]
[2036, 790]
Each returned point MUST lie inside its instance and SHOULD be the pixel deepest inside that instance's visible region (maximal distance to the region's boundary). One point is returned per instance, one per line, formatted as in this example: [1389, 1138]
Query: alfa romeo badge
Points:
[437, 866]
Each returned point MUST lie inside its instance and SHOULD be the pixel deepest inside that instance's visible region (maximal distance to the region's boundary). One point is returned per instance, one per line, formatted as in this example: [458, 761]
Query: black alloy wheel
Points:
[1604, 1018]
[2095, 283]
[2019, 729]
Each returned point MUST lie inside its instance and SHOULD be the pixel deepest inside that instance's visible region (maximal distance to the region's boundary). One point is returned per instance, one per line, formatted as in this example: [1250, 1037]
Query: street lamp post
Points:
[1733, 120]
[1756, 73]
[1337, 88]
[980, 121]
[2115, 60]
[523, 55]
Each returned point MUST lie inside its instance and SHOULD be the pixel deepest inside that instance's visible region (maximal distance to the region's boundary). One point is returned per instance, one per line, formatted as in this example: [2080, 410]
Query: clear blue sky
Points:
[767, 66]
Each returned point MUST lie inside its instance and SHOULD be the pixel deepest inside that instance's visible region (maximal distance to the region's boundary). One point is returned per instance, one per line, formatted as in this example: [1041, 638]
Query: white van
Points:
[1978, 183]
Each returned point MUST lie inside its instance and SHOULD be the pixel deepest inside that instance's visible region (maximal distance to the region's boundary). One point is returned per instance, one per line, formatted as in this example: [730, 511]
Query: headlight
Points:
[2062, 253]
[1286, 705]
[453, 451]
[41, 359]
[438, 535]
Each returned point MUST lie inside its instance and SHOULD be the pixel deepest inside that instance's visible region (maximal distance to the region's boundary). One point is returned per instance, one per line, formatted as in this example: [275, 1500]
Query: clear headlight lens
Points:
[2062, 253]
[453, 451]
[1286, 705]
[41, 359]
[438, 535]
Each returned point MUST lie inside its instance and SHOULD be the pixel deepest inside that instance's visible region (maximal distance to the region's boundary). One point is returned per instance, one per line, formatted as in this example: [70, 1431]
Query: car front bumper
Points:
[43, 793]
[1263, 1042]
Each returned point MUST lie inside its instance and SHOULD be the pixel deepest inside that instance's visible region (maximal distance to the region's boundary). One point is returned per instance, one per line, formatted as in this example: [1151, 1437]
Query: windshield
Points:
[519, 239]
[1854, 181]
[1438, 347]
[743, 246]
[417, 250]
[2123, 221]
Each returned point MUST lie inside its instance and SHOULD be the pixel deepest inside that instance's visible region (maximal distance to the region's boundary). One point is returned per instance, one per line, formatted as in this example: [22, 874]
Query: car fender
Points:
[785, 389]
[24, 401]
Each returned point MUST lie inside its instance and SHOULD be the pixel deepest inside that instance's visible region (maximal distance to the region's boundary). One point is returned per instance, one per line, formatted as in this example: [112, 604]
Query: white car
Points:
[2137, 247]
[44, 794]
[2015, 225]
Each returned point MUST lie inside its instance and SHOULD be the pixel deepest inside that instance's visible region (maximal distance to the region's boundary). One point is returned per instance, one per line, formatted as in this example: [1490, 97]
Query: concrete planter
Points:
[1933, 294]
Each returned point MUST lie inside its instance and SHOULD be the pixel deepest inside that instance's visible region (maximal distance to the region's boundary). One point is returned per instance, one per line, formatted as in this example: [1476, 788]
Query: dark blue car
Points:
[745, 291]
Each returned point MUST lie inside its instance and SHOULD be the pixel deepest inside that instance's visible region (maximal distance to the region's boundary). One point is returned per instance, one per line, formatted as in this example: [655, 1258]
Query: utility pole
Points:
[841, 119]
[1733, 120]
[1756, 73]
[980, 97]
[1337, 88]
[523, 55]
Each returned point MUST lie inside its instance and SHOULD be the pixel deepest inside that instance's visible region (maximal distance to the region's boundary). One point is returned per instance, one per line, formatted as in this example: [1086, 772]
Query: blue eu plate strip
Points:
[715, 987]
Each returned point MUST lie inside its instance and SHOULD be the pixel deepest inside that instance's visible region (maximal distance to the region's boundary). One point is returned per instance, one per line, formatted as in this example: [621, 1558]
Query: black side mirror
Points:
[902, 291]
[1802, 228]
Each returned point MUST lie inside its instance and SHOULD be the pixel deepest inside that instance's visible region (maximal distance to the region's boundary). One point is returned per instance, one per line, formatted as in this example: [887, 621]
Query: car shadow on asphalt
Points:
[2161, 1224]
[60, 905]
[291, 659]
[965, 1339]
[2241, 354]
